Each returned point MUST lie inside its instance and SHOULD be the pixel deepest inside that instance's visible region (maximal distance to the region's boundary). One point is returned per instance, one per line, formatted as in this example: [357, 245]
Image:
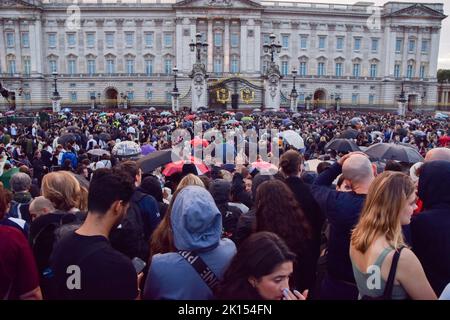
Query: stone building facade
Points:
[116, 52]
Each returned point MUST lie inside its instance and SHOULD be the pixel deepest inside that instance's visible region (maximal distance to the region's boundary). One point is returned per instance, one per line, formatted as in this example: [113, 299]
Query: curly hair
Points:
[278, 211]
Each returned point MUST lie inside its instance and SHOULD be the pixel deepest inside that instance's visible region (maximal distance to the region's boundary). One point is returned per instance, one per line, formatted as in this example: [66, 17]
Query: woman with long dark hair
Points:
[278, 211]
[260, 270]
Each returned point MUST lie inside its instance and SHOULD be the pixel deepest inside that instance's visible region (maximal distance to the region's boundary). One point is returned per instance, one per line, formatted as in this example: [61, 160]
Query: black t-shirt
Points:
[106, 274]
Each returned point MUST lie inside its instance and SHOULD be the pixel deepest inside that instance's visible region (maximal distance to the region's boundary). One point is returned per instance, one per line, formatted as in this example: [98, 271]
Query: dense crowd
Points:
[95, 205]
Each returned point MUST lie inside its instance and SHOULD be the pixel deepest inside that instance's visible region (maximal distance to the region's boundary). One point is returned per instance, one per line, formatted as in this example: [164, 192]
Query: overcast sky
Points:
[444, 48]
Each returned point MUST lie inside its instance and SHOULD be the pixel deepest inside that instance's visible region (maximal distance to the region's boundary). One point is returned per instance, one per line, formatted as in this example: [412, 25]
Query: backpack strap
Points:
[390, 282]
[205, 273]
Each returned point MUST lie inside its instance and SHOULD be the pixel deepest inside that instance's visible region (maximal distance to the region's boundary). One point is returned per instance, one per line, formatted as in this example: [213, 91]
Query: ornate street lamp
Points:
[294, 94]
[55, 78]
[175, 92]
[272, 47]
[198, 46]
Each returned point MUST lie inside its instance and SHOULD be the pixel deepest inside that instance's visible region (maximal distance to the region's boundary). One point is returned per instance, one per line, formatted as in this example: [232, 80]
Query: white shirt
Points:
[131, 130]
[94, 143]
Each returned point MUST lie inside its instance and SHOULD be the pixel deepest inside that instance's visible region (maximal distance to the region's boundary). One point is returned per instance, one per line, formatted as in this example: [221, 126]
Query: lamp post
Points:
[175, 92]
[308, 101]
[97, 105]
[93, 101]
[402, 102]
[56, 98]
[337, 99]
[198, 46]
[272, 47]
[294, 94]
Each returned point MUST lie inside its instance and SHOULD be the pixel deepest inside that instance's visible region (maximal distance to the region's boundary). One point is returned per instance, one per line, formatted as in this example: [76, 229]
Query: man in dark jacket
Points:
[430, 230]
[220, 191]
[142, 218]
[342, 210]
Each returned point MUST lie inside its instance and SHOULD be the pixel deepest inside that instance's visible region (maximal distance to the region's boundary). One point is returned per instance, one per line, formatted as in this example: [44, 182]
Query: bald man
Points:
[437, 154]
[342, 210]
[40, 206]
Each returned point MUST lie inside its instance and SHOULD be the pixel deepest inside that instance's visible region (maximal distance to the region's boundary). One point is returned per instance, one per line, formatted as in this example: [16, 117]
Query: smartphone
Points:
[138, 264]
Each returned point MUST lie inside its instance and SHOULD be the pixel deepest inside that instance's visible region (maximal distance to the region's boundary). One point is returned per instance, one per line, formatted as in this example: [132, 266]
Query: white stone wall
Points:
[251, 21]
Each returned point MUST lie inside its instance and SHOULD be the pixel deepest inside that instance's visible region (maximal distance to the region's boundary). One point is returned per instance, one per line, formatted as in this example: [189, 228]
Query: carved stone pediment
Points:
[418, 10]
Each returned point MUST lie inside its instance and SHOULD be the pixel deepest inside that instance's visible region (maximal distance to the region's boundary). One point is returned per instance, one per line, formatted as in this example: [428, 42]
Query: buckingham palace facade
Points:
[111, 52]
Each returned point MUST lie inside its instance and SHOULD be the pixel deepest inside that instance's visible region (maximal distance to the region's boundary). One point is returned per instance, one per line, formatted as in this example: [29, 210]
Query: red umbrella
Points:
[444, 141]
[189, 117]
[197, 141]
[265, 167]
[177, 166]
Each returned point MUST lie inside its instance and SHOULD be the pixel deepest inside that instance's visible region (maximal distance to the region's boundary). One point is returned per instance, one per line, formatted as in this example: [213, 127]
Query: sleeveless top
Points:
[364, 279]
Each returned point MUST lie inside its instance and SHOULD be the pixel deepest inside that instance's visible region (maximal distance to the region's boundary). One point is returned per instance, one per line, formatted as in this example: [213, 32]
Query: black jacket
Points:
[308, 262]
[430, 230]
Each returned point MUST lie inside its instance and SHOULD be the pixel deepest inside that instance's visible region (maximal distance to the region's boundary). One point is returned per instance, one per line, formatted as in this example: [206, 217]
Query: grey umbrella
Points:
[342, 145]
[156, 159]
[98, 152]
[238, 116]
[349, 134]
[104, 136]
[390, 151]
[67, 137]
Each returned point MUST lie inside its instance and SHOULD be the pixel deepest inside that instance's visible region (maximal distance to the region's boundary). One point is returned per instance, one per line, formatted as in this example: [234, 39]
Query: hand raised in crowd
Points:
[294, 295]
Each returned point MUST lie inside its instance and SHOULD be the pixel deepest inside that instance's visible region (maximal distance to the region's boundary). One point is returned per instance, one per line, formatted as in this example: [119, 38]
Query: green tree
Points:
[443, 74]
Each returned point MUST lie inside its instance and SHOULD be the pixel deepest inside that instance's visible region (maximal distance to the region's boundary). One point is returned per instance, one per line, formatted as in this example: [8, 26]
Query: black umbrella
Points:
[390, 151]
[104, 136]
[73, 129]
[329, 122]
[349, 134]
[98, 152]
[402, 132]
[66, 138]
[342, 145]
[238, 116]
[156, 159]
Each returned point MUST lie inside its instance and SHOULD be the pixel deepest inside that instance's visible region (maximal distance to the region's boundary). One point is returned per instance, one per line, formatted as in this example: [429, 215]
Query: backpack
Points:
[20, 210]
[50, 235]
[129, 237]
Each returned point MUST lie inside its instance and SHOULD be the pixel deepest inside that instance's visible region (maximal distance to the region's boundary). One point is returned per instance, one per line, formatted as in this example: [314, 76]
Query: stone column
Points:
[405, 52]
[226, 60]
[389, 52]
[257, 54]
[193, 25]
[243, 46]
[434, 45]
[17, 44]
[179, 44]
[418, 52]
[211, 46]
[3, 66]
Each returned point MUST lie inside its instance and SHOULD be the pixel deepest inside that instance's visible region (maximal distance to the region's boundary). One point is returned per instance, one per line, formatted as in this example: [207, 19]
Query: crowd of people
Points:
[81, 218]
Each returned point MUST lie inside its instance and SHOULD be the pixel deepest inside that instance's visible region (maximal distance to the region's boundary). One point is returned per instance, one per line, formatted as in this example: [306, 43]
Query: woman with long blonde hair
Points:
[162, 237]
[390, 203]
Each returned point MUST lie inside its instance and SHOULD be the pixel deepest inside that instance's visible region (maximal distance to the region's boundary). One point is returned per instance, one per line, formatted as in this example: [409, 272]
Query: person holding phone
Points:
[260, 270]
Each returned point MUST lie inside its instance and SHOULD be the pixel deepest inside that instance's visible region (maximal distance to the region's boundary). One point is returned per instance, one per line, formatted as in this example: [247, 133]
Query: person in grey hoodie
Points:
[197, 227]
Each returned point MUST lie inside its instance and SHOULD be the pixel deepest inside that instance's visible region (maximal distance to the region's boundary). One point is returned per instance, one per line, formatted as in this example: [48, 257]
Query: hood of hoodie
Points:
[196, 220]
[220, 191]
[433, 184]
